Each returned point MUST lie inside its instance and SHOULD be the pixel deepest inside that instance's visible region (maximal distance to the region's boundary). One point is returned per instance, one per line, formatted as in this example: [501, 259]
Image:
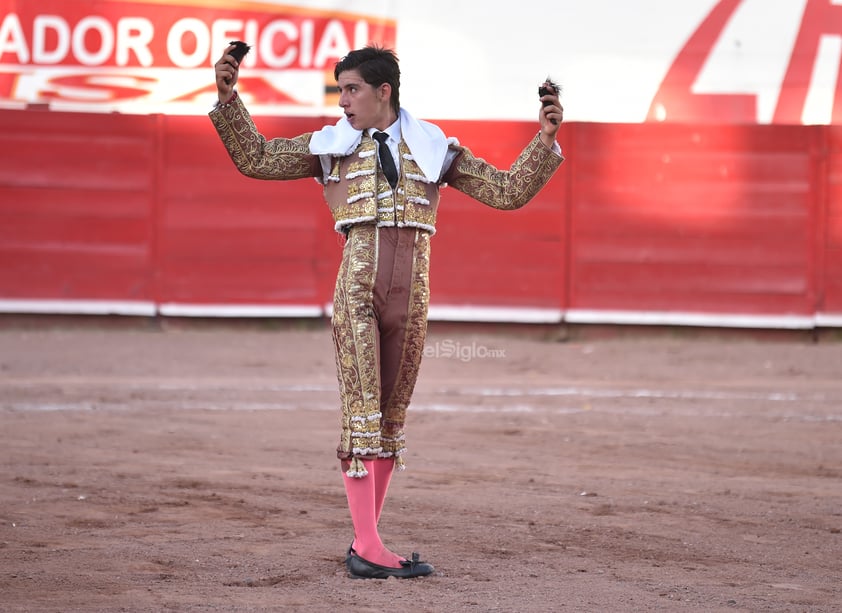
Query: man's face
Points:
[365, 106]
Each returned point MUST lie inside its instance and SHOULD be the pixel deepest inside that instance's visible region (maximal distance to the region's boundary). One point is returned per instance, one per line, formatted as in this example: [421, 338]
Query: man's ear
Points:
[385, 91]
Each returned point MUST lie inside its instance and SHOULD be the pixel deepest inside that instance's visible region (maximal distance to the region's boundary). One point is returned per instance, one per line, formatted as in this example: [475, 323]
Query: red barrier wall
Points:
[677, 218]
[78, 208]
[829, 231]
[227, 239]
[483, 257]
[644, 223]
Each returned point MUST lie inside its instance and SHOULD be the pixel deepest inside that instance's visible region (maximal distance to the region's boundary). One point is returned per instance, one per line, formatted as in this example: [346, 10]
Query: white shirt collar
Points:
[394, 131]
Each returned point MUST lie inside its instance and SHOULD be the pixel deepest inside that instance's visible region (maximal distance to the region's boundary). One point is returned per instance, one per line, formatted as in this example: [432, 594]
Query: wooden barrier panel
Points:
[226, 239]
[486, 258]
[77, 217]
[679, 219]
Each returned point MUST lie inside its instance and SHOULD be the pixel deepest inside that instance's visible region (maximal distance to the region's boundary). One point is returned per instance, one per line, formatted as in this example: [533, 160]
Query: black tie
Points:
[387, 162]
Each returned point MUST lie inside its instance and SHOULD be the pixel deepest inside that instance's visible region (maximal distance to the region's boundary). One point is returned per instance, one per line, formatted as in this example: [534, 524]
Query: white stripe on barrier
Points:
[175, 309]
[79, 307]
[829, 320]
[670, 318]
[489, 314]
[496, 314]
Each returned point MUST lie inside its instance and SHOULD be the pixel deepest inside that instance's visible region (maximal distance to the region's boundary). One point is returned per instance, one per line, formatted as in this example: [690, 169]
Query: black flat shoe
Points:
[360, 568]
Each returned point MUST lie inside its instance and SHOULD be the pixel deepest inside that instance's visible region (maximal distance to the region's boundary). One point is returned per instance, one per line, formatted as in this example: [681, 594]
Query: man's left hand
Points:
[551, 109]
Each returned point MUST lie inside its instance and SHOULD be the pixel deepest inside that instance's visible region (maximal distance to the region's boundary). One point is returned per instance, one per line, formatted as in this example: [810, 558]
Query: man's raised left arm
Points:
[513, 188]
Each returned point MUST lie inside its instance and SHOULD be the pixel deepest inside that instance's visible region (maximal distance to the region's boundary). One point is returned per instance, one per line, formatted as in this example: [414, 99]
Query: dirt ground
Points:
[154, 467]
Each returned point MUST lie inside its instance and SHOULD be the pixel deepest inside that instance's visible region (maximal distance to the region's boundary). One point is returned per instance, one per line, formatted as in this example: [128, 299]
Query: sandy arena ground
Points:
[192, 468]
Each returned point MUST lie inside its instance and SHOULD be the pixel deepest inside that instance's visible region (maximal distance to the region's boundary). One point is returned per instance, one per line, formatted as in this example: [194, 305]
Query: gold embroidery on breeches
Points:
[373, 424]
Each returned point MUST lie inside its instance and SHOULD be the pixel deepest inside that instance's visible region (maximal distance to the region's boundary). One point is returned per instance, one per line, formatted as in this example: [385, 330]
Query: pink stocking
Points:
[383, 470]
[361, 502]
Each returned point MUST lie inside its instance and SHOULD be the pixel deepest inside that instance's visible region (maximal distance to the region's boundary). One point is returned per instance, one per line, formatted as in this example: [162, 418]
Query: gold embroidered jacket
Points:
[356, 190]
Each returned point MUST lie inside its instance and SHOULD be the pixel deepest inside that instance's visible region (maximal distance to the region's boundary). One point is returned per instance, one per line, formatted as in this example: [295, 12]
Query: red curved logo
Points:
[676, 101]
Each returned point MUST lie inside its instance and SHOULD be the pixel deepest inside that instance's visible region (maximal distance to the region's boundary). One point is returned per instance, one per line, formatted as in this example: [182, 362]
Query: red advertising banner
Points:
[154, 56]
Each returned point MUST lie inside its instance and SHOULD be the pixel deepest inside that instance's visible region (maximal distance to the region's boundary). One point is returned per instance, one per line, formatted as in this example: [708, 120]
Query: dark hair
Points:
[376, 65]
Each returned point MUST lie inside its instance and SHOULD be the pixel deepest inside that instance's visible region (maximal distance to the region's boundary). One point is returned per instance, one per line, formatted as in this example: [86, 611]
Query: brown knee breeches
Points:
[379, 325]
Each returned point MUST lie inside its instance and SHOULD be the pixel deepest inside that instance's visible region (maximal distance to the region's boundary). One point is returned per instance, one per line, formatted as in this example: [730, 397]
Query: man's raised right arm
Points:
[252, 154]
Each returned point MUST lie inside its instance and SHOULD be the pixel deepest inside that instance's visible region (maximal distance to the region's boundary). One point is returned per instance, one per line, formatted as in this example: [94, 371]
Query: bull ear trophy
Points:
[544, 91]
[240, 50]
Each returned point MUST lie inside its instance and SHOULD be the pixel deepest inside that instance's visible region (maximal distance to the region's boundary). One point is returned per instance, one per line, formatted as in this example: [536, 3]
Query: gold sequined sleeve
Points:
[504, 189]
[253, 155]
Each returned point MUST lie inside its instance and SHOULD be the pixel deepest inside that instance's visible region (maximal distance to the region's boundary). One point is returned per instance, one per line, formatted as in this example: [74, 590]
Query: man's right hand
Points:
[227, 71]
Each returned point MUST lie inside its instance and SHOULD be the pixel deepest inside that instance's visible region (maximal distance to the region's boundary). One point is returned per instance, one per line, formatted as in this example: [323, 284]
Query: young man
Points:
[382, 170]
